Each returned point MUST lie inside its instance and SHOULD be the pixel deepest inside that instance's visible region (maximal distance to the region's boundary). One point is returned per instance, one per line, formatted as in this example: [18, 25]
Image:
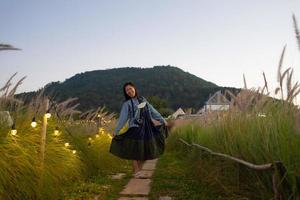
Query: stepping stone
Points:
[154, 161]
[149, 166]
[165, 198]
[137, 187]
[118, 176]
[133, 198]
[146, 173]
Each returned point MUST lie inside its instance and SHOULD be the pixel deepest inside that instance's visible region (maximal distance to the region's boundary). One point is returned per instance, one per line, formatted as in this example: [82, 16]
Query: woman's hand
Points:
[156, 122]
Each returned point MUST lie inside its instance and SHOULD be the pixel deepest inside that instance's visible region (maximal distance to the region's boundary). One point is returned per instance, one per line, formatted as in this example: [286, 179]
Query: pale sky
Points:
[217, 40]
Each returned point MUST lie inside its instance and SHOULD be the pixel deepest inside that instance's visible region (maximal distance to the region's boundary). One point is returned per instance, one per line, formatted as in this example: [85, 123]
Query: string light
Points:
[99, 115]
[101, 130]
[90, 139]
[33, 123]
[97, 135]
[56, 131]
[74, 151]
[48, 114]
[67, 144]
[13, 130]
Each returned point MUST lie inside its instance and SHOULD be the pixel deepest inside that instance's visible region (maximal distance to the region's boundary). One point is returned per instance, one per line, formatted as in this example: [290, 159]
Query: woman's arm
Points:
[122, 119]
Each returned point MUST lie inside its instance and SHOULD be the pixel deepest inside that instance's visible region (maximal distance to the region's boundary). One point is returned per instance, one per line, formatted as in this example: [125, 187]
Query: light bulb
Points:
[48, 115]
[33, 123]
[90, 139]
[13, 130]
[97, 135]
[74, 151]
[67, 144]
[56, 132]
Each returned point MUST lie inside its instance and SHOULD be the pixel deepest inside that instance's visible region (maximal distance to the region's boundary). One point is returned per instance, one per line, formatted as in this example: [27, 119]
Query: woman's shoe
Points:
[137, 174]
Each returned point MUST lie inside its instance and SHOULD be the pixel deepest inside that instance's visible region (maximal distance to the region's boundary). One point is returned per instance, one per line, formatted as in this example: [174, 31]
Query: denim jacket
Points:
[126, 114]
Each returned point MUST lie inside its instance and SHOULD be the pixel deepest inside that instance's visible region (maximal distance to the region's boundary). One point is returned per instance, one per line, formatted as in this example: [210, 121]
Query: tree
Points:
[160, 105]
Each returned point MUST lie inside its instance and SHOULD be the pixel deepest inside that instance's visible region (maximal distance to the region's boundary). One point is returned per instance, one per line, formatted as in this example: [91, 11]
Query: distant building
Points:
[217, 102]
[179, 112]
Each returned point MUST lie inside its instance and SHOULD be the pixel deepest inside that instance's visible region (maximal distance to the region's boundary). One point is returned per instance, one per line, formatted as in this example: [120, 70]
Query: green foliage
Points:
[28, 173]
[263, 134]
[104, 87]
[175, 177]
[160, 105]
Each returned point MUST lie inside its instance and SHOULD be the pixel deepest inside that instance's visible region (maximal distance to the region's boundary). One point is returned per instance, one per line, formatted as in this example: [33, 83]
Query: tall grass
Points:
[259, 135]
[258, 129]
[23, 174]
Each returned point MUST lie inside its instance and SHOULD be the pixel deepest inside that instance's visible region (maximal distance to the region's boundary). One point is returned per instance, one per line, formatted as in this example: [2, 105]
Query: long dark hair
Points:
[124, 91]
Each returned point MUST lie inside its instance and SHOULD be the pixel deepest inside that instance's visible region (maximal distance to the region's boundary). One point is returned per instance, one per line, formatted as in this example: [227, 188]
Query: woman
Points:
[143, 140]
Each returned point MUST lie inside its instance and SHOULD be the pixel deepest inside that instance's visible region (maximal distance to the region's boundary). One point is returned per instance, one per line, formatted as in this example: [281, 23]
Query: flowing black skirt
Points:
[145, 142]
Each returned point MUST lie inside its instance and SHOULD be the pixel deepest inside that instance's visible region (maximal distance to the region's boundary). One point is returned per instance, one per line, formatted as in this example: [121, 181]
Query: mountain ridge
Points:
[104, 87]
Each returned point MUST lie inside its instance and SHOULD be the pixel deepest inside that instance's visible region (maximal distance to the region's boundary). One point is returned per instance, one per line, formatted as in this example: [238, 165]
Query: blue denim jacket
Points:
[126, 114]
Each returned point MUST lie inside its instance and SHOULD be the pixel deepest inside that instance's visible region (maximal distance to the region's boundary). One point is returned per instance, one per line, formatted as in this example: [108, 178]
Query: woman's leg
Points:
[140, 164]
[135, 164]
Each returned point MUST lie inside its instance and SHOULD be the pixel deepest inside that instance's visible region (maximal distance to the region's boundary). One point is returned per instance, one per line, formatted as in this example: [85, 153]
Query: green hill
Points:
[174, 87]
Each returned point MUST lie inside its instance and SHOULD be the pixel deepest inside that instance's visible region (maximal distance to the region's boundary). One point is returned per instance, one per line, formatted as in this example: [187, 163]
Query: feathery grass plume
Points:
[8, 83]
[231, 95]
[297, 33]
[100, 113]
[280, 64]
[245, 83]
[13, 91]
[281, 80]
[86, 114]
[5, 47]
[266, 83]
[7, 99]
[63, 105]
[20, 162]
[37, 104]
[289, 81]
[295, 89]
[277, 90]
[245, 99]
[67, 109]
[258, 129]
[96, 113]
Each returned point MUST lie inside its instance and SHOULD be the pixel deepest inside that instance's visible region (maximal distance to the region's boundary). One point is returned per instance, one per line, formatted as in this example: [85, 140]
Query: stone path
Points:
[139, 188]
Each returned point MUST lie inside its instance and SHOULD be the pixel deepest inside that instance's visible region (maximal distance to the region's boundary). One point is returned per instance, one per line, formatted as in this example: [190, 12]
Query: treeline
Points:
[166, 86]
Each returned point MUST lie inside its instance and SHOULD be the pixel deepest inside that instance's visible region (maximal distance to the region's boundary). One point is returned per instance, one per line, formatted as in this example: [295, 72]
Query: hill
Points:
[171, 85]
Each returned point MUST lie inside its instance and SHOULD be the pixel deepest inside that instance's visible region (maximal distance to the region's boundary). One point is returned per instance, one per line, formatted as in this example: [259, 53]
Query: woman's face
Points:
[130, 91]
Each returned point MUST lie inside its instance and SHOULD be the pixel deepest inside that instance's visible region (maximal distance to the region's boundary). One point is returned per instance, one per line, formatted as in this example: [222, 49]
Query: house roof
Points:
[179, 111]
[218, 99]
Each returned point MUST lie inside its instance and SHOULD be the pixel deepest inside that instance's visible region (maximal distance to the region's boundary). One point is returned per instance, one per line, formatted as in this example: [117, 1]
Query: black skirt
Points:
[145, 142]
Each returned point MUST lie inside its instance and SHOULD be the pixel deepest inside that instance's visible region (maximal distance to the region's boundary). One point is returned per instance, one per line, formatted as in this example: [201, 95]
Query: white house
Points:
[217, 102]
[177, 113]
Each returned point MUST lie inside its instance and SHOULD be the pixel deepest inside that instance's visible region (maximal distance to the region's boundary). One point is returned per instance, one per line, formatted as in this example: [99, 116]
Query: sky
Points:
[216, 40]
